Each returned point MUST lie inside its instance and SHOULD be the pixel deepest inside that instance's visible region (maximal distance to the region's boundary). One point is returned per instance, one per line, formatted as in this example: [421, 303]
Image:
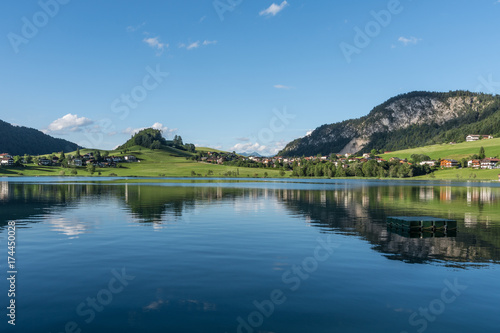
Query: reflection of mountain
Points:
[362, 212]
[358, 212]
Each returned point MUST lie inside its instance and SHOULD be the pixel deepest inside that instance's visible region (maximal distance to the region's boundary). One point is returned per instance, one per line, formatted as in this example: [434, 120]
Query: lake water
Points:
[240, 256]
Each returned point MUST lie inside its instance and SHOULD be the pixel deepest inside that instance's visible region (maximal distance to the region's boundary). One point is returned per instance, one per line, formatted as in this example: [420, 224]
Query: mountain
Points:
[254, 154]
[406, 121]
[20, 140]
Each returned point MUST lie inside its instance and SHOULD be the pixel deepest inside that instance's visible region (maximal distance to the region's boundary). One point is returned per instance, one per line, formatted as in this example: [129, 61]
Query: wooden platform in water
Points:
[421, 223]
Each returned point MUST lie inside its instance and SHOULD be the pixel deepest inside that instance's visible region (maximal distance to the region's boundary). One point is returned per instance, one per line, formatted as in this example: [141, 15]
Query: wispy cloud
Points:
[134, 28]
[274, 9]
[280, 86]
[159, 126]
[68, 123]
[197, 44]
[408, 41]
[154, 42]
[243, 139]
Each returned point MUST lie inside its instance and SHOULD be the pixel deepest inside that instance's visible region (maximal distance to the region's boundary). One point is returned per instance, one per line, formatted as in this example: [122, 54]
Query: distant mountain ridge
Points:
[254, 154]
[20, 140]
[406, 121]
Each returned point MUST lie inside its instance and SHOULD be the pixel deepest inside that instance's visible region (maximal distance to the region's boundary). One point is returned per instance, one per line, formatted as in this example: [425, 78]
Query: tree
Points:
[463, 162]
[340, 171]
[156, 145]
[91, 168]
[482, 153]
[282, 172]
[78, 153]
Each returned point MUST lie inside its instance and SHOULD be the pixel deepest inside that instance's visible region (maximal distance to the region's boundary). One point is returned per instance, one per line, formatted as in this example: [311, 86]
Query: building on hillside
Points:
[44, 161]
[78, 162]
[449, 163]
[476, 164]
[130, 158]
[429, 163]
[489, 163]
[6, 161]
[476, 137]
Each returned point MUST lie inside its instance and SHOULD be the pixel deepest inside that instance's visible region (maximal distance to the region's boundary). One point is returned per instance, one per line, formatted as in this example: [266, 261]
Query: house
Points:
[448, 163]
[7, 161]
[475, 137]
[130, 158]
[429, 163]
[489, 163]
[44, 161]
[78, 162]
[476, 164]
[5, 155]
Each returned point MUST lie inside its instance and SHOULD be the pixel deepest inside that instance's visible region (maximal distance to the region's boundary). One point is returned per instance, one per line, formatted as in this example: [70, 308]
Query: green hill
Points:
[153, 163]
[153, 139]
[453, 151]
[20, 140]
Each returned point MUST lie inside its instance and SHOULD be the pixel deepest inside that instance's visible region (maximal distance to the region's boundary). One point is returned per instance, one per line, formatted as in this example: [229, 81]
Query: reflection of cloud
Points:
[4, 190]
[71, 228]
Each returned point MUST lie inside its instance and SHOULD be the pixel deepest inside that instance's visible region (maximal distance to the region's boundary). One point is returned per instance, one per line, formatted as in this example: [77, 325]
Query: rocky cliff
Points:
[405, 121]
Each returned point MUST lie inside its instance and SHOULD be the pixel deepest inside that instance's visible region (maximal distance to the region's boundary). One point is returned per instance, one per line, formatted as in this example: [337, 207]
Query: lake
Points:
[249, 256]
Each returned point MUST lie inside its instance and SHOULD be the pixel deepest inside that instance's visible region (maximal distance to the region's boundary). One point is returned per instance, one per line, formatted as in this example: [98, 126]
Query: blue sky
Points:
[250, 76]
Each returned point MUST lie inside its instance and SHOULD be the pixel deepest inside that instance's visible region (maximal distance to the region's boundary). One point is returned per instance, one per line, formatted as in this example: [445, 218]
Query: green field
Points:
[154, 163]
[456, 151]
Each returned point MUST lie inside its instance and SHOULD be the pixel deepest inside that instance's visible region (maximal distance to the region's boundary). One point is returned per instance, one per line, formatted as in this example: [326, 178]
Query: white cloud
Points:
[69, 122]
[280, 86]
[407, 41]
[155, 43]
[132, 28]
[274, 9]
[267, 150]
[309, 132]
[197, 44]
[159, 126]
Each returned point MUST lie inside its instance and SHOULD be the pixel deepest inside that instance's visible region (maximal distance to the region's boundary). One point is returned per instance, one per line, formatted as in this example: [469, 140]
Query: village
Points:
[92, 158]
[103, 160]
[345, 159]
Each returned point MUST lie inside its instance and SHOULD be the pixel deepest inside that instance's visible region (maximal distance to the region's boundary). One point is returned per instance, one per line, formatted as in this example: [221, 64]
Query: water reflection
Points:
[359, 211]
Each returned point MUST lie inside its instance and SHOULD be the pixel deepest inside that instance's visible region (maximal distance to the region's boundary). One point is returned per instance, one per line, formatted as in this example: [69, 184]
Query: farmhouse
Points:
[475, 137]
[489, 163]
[7, 161]
[429, 163]
[448, 163]
[476, 164]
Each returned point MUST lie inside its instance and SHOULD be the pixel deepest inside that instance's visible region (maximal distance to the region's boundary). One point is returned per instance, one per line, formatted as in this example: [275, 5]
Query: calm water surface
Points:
[243, 256]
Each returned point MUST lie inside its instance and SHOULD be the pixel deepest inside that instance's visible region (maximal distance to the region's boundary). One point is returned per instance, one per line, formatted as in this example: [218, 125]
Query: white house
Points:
[475, 137]
[489, 163]
[429, 163]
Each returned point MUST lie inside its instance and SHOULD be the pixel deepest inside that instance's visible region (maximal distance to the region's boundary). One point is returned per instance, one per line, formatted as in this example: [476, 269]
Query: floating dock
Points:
[421, 223]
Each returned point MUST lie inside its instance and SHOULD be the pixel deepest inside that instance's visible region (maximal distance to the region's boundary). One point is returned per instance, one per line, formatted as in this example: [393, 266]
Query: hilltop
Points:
[20, 140]
[406, 121]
